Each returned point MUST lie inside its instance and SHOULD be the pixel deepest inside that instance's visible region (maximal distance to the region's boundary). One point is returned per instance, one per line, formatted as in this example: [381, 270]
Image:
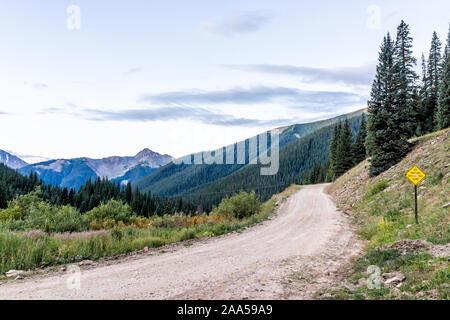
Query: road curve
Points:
[253, 264]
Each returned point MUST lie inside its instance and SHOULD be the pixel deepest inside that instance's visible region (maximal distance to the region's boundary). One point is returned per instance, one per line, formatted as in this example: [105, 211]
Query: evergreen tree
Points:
[128, 193]
[433, 74]
[65, 197]
[344, 158]
[333, 146]
[386, 141]
[404, 78]
[3, 195]
[423, 93]
[359, 148]
[443, 112]
[416, 112]
[72, 197]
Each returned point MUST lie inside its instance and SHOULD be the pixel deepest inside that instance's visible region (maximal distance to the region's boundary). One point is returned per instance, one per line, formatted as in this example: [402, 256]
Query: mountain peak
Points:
[145, 153]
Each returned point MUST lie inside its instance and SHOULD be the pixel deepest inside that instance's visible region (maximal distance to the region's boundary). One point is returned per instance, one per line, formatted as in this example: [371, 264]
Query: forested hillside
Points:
[88, 196]
[296, 159]
[173, 180]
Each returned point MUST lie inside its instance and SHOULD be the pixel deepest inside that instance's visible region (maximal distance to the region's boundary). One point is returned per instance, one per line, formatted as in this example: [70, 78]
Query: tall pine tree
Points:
[344, 156]
[386, 142]
[404, 77]
[333, 147]
[423, 96]
[433, 77]
[443, 111]
[359, 149]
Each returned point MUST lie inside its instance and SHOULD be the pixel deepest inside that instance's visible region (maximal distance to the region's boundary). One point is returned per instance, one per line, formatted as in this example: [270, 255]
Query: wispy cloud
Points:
[184, 105]
[51, 110]
[63, 109]
[177, 113]
[253, 95]
[362, 75]
[132, 71]
[40, 86]
[1, 112]
[240, 23]
[71, 105]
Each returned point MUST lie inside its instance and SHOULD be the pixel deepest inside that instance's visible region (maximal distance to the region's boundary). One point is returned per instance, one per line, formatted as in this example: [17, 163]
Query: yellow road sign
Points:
[415, 175]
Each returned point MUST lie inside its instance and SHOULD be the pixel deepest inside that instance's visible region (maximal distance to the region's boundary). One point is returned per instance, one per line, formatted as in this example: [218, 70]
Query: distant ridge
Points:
[72, 173]
[11, 160]
[173, 180]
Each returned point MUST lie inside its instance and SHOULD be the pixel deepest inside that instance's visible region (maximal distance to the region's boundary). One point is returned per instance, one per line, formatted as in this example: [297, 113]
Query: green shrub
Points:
[436, 178]
[392, 214]
[376, 257]
[117, 233]
[241, 205]
[378, 187]
[112, 210]
[29, 212]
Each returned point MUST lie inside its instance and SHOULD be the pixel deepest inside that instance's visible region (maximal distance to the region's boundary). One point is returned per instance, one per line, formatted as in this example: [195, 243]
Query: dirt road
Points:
[291, 256]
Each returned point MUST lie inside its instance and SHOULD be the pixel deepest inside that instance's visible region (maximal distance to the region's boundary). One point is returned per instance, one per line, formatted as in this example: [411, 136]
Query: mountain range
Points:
[72, 173]
[174, 180]
[301, 146]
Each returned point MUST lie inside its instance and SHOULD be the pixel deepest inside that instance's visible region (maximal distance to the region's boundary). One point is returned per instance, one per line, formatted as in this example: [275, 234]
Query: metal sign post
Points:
[415, 204]
[415, 175]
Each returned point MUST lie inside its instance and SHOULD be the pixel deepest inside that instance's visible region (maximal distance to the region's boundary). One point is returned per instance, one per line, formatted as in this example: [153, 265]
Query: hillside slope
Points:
[383, 211]
[11, 160]
[173, 180]
[295, 159]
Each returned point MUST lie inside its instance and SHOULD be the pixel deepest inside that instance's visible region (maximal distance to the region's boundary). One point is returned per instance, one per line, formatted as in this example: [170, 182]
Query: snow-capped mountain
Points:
[73, 173]
[11, 160]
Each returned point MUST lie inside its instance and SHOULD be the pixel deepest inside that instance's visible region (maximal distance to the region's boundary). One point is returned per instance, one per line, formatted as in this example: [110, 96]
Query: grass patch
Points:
[377, 187]
[426, 277]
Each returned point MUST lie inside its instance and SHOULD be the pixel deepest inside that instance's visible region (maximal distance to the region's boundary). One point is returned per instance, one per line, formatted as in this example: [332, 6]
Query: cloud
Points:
[254, 95]
[36, 85]
[184, 105]
[66, 109]
[177, 113]
[51, 110]
[362, 75]
[40, 86]
[133, 70]
[1, 112]
[240, 23]
[71, 105]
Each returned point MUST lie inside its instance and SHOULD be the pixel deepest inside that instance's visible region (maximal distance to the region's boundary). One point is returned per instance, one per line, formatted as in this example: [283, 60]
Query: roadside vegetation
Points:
[37, 234]
[411, 260]
[383, 210]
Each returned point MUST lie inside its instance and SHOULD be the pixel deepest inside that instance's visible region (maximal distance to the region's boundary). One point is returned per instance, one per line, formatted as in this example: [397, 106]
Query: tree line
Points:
[345, 151]
[89, 195]
[296, 159]
[401, 104]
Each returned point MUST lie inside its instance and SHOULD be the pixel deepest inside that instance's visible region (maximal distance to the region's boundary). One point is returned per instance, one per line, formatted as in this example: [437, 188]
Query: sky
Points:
[97, 78]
